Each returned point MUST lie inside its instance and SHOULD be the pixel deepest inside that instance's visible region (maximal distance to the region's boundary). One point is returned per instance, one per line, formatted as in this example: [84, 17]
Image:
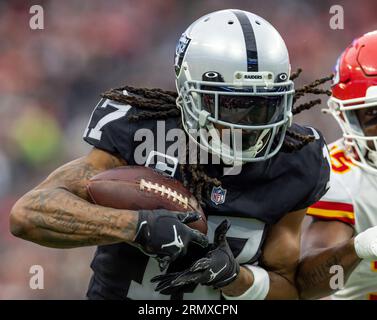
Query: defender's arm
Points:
[279, 258]
[324, 244]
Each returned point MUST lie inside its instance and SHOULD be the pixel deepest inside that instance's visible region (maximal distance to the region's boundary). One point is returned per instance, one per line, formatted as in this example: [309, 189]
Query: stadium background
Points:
[51, 79]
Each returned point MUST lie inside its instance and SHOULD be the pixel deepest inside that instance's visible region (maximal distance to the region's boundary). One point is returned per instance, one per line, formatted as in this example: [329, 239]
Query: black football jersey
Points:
[254, 199]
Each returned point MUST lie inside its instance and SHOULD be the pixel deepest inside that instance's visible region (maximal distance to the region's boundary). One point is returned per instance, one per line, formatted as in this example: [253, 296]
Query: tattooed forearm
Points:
[313, 276]
[57, 213]
[59, 218]
[75, 175]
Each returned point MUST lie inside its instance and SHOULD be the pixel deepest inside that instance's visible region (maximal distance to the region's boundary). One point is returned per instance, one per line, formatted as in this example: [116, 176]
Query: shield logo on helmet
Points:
[180, 51]
[218, 195]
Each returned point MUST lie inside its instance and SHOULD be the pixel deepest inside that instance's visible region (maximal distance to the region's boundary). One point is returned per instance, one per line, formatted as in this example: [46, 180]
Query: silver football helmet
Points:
[232, 77]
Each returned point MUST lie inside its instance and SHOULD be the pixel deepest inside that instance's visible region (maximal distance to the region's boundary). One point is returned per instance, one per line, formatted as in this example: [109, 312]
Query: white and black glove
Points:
[165, 235]
[366, 244]
[218, 268]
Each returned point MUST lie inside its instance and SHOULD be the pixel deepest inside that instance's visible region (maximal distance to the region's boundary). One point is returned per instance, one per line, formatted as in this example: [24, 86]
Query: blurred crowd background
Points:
[50, 81]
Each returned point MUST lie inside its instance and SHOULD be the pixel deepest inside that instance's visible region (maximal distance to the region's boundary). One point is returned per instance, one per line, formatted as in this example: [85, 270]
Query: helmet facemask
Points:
[246, 121]
[360, 135]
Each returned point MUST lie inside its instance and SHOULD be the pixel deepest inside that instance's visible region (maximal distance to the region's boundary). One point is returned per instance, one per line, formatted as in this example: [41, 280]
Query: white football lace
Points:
[164, 191]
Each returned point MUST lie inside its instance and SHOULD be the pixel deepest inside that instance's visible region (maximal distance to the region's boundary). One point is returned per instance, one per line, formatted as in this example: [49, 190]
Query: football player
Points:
[343, 231]
[232, 74]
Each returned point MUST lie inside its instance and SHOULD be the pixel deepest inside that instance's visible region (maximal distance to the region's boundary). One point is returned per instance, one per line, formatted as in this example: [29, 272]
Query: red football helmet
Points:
[354, 88]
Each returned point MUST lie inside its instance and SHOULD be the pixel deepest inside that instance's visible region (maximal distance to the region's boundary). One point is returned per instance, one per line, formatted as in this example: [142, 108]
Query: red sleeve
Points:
[328, 210]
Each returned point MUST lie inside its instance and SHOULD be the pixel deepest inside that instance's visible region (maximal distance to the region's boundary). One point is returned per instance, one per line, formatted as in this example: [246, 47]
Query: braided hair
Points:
[160, 104]
[294, 140]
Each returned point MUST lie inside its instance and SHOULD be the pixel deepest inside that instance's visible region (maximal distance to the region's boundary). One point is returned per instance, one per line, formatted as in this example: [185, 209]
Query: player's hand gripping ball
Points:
[170, 217]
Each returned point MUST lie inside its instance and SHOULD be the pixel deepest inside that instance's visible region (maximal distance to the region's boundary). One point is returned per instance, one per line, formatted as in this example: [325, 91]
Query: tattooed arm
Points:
[324, 244]
[57, 213]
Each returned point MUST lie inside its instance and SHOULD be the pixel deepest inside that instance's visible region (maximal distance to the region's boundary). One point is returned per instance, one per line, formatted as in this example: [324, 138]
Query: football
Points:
[138, 187]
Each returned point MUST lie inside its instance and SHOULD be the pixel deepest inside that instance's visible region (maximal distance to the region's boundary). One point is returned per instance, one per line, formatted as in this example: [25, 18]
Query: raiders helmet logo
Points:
[180, 51]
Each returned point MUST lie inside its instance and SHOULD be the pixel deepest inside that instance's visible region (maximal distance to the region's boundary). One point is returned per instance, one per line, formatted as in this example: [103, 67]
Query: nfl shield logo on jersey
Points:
[218, 195]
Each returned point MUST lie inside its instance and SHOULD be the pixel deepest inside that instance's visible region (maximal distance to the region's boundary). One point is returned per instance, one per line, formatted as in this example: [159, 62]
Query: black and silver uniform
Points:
[253, 200]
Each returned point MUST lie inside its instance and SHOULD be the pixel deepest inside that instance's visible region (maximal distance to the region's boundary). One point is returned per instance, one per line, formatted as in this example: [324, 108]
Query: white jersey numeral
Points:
[96, 131]
[145, 290]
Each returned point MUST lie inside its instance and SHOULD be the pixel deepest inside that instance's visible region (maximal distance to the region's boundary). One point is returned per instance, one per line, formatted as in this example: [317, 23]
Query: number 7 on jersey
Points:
[110, 111]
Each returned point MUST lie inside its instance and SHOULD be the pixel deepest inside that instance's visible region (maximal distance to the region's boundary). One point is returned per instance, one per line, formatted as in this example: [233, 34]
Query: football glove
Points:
[164, 234]
[218, 268]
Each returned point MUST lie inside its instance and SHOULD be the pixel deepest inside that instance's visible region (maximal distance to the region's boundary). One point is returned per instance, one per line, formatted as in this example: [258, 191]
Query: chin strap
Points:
[360, 154]
[228, 154]
[260, 144]
[372, 158]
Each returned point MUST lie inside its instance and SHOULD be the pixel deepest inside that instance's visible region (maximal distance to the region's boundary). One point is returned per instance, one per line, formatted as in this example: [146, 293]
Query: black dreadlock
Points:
[161, 104]
[294, 140]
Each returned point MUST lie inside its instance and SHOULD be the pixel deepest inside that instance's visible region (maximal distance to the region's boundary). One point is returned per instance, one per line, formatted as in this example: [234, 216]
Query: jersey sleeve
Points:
[109, 129]
[317, 168]
[336, 204]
